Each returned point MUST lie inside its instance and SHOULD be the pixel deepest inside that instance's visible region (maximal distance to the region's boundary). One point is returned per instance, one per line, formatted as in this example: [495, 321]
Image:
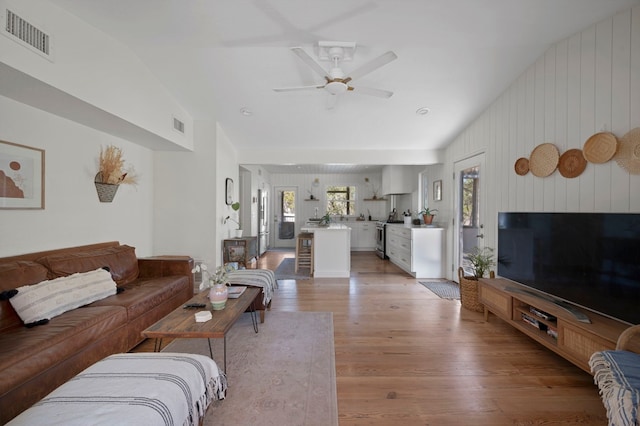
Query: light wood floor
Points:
[406, 357]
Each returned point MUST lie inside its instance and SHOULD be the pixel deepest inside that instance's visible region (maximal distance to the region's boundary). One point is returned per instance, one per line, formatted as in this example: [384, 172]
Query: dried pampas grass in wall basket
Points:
[112, 172]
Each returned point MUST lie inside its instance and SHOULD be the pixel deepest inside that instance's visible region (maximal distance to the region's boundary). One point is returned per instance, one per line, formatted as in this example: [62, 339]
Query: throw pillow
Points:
[45, 300]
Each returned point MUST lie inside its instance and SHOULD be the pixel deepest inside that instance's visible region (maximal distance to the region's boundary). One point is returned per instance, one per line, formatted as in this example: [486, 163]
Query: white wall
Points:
[258, 178]
[186, 191]
[73, 215]
[443, 207]
[581, 85]
[94, 68]
[226, 166]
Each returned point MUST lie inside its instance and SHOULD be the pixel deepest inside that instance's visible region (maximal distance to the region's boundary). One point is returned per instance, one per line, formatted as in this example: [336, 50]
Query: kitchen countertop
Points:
[415, 226]
[331, 227]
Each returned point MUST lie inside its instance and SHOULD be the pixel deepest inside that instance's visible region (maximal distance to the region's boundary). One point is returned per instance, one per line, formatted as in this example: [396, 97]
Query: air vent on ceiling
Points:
[27, 34]
[178, 125]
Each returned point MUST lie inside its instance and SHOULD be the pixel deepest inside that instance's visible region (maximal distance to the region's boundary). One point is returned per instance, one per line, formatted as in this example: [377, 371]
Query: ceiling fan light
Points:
[336, 87]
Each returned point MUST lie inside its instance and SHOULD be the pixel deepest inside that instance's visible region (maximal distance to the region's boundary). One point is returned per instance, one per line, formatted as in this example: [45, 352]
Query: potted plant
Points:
[326, 219]
[481, 261]
[216, 283]
[235, 206]
[428, 215]
[112, 172]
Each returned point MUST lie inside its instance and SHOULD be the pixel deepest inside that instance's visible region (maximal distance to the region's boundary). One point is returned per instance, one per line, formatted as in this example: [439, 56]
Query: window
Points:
[470, 211]
[341, 200]
[424, 183]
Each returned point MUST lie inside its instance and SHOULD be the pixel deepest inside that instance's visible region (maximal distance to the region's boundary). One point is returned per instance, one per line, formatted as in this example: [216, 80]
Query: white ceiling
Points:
[454, 57]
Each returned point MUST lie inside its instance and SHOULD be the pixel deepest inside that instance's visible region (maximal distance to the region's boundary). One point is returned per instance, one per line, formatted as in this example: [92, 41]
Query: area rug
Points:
[283, 375]
[287, 271]
[443, 289]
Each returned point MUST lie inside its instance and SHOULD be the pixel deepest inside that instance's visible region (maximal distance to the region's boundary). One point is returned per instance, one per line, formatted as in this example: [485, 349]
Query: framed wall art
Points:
[21, 176]
[228, 191]
[437, 190]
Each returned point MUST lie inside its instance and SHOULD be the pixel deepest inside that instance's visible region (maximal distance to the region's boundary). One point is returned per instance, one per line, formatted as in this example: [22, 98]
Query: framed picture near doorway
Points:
[437, 190]
[228, 191]
[21, 176]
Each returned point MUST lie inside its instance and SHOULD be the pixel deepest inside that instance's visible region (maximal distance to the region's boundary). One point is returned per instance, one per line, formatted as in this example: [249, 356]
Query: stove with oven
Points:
[381, 238]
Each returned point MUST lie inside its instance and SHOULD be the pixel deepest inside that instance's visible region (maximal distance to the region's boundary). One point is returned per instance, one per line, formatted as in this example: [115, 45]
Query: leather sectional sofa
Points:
[36, 360]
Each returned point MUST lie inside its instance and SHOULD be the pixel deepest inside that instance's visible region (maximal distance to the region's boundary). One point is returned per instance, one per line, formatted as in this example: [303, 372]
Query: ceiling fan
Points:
[336, 82]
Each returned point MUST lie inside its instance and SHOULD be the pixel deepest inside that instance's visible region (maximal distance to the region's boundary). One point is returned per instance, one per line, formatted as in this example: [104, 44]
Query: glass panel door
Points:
[469, 210]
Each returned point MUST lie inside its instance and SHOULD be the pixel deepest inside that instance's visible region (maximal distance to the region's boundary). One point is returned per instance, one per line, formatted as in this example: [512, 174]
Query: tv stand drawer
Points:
[581, 344]
[496, 301]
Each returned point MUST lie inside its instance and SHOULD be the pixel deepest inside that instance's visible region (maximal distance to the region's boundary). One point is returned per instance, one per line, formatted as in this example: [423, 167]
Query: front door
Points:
[470, 193]
[285, 216]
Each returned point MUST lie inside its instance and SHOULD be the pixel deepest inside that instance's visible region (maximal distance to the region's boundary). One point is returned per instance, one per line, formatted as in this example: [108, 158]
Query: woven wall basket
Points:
[572, 163]
[469, 293]
[600, 147]
[544, 160]
[106, 191]
[628, 156]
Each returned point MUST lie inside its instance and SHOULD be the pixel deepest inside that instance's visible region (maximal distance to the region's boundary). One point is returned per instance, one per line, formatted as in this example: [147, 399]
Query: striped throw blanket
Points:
[264, 278]
[133, 389]
[617, 374]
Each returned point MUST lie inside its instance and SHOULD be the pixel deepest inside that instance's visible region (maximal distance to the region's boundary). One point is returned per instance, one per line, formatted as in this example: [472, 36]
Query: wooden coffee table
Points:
[181, 322]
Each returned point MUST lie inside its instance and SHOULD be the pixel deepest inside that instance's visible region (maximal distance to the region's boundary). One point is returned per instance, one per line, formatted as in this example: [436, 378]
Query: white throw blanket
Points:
[264, 278]
[133, 389]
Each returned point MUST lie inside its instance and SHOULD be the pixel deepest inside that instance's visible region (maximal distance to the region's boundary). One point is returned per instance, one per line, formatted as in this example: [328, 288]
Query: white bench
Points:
[133, 389]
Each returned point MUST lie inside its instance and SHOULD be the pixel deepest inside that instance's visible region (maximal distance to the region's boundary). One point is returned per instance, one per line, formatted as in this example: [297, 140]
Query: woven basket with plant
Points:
[481, 261]
[112, 172]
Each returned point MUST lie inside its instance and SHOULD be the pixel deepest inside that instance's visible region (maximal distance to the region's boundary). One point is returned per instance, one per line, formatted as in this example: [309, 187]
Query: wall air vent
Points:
[26, 33]
[178, 125]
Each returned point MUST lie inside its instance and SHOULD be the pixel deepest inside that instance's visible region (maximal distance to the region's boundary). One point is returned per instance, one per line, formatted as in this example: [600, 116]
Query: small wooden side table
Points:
[240, 250]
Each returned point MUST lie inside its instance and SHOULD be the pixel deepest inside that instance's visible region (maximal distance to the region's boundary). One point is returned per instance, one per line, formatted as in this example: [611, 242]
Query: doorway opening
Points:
[285, 216]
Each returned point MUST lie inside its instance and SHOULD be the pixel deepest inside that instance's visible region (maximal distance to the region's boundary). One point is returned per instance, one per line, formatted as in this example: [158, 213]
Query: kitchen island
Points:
[332, 250]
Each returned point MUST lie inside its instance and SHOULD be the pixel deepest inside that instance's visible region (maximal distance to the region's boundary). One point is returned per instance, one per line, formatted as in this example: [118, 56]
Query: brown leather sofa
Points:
[36, 360]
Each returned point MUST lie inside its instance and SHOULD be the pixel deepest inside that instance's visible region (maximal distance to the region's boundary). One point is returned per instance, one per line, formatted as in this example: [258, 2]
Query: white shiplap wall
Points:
[584, 84]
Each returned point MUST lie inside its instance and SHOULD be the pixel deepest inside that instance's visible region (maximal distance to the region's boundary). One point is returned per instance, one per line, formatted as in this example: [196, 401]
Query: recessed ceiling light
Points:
[423, 111]
[246, 112]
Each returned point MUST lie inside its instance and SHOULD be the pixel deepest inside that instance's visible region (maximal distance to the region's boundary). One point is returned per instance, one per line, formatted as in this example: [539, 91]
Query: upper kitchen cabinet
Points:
[398, 180]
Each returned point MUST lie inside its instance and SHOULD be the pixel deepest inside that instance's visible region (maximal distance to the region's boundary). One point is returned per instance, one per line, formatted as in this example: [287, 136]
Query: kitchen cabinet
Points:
[398, 180]
[418, 250]
[363, 236]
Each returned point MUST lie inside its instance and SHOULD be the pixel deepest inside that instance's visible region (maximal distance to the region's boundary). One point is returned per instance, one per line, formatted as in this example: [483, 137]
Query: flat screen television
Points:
[591, 260]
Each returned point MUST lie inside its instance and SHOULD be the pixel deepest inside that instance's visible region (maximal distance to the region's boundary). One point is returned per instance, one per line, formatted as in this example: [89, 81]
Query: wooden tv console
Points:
[575, 340]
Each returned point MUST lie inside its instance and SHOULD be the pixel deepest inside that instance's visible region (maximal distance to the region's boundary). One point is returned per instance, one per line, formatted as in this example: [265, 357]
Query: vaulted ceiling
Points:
[220, 58]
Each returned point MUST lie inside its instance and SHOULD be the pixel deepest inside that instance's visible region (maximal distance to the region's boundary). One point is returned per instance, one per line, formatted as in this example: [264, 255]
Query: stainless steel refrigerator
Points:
[263, 223]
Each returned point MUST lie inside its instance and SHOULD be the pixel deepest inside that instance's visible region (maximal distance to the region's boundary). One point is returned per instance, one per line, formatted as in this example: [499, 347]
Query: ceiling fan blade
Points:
[291, 89]
[310, 61]
[372, 92]
[372, 65]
